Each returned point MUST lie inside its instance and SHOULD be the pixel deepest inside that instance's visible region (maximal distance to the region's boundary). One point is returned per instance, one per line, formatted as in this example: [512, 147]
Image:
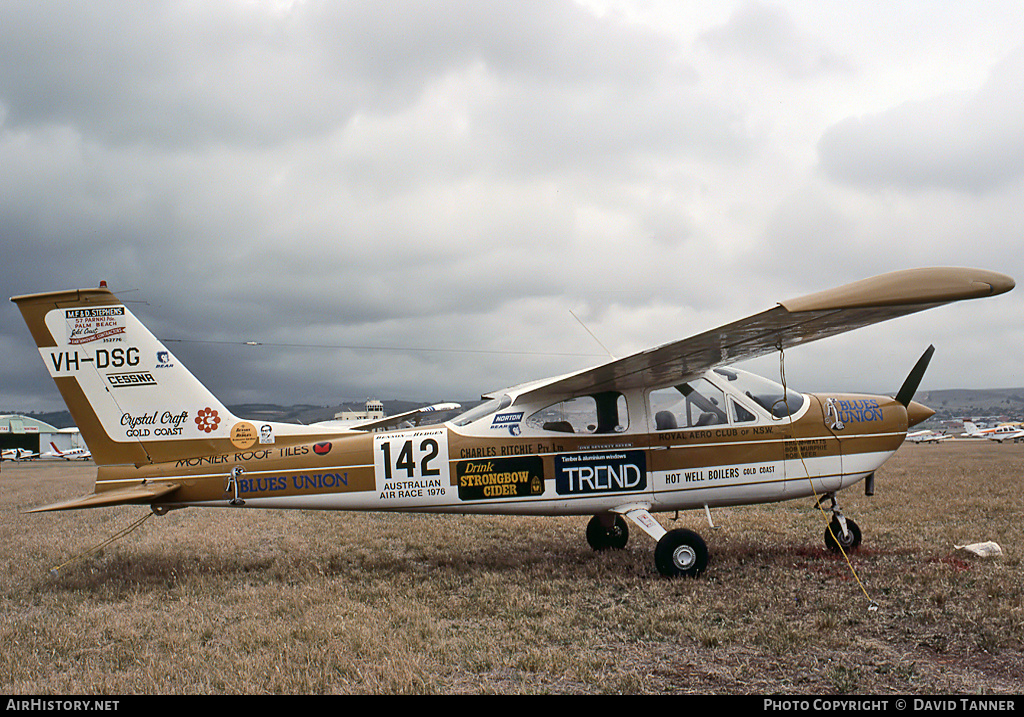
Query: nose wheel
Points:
[836, 538]
[842, 534]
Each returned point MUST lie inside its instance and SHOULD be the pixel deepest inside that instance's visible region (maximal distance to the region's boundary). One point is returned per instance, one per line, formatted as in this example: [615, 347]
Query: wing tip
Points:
[926, 286]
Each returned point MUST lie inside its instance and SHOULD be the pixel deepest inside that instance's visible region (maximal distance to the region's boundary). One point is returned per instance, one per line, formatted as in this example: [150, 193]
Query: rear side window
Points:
[599, 413]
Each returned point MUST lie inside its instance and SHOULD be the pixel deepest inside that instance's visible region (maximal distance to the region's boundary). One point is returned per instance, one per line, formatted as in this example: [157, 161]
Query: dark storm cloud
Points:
[315, 175]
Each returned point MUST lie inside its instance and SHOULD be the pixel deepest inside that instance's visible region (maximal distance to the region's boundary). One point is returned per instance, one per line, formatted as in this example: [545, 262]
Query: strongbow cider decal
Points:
[486, 478]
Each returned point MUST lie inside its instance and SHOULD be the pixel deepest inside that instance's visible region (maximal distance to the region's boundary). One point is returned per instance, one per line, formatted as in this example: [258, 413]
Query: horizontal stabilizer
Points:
[141, 494]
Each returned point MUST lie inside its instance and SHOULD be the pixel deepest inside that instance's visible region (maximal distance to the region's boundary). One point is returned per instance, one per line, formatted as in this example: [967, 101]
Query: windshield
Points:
[766, 393]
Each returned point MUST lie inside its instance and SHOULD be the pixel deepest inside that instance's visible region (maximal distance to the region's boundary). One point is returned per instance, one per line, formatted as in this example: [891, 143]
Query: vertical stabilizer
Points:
[131, 398]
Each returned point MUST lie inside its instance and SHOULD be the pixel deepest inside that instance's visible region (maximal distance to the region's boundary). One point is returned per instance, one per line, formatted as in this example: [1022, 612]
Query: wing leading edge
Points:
[790, 323]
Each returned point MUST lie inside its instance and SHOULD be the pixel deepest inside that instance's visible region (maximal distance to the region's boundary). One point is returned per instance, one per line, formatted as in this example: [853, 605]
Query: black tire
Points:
[681, 553]
[613, 538]
[834, 536]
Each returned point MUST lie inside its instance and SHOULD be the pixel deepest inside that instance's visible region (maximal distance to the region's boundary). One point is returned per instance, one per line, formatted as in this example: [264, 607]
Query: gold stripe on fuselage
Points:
[488, 473]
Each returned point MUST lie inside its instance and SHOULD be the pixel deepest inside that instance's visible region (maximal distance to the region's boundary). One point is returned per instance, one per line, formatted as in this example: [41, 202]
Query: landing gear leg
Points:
[842, 534]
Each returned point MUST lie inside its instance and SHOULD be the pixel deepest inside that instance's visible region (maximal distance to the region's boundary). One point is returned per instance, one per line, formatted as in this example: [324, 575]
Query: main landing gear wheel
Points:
[681, 553]
[605, 534]
[835, 538]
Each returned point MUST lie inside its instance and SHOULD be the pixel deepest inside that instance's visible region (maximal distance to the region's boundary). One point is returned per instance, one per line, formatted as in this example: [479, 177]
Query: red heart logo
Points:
[322, 449]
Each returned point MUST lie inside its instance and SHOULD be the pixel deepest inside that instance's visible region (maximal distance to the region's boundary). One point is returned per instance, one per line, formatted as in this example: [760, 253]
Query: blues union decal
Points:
[500, 478]
[839, 412]
[603, 472]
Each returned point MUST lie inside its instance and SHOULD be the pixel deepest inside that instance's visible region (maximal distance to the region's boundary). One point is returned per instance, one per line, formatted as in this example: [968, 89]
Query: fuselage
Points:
[728, 438]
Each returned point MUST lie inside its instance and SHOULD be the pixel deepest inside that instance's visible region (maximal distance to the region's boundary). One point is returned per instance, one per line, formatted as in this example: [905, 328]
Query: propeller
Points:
[909, 387]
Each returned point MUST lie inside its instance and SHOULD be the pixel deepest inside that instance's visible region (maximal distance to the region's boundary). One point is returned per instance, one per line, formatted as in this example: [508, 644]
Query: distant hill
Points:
[949, 404]
[311, 414]
[303, 414]
[954, 403]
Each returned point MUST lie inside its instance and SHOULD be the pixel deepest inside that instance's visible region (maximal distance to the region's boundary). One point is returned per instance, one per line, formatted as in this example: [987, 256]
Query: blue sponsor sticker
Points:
[602, 472]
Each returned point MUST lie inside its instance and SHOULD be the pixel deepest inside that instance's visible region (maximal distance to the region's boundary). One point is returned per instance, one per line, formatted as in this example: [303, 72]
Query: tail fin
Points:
[132, 400]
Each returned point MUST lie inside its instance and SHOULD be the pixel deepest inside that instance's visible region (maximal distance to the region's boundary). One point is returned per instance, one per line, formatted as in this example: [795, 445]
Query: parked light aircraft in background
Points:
[1007, 433]
[666, 429]
[18, 454]
[928, 437]
[80, 454]
[973, 431]
[399, 420]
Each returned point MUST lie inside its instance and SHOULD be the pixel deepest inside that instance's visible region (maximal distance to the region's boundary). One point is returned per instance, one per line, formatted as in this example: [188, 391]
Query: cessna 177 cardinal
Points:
[666, 429]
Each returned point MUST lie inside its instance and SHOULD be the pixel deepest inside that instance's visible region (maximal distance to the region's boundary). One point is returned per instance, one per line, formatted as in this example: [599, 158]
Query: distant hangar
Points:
[31, 434]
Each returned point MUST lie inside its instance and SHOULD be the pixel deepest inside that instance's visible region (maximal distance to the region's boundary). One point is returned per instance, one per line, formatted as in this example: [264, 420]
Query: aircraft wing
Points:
[143, 494]
[790, 323]
[391, 421]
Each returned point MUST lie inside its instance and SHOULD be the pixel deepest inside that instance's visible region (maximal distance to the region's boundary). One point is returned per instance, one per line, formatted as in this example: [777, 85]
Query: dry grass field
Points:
[236, 601]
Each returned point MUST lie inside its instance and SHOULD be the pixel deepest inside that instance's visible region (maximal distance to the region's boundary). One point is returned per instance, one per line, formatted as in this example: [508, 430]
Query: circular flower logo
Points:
[207, 420]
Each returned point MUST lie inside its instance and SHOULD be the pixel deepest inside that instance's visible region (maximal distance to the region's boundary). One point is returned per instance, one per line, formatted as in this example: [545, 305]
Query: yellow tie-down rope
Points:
[872, 605]
[105, 543]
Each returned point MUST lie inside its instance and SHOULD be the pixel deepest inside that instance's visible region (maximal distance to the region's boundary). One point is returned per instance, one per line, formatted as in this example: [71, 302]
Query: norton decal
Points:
[411, 465]
[509, 421]
[104, 324]
[500, 478]
[582, 473]
[243, 435]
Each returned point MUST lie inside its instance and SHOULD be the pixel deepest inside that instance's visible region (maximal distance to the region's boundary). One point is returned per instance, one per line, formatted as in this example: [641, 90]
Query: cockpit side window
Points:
[741, 414]
[779, 402]
[598, 413]
[689, 405]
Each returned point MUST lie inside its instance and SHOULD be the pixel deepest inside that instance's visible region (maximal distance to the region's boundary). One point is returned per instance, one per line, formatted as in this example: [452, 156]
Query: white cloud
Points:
[968, 141]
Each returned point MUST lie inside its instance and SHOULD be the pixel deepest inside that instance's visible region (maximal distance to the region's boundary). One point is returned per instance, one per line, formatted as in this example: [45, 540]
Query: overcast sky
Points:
[474, 176]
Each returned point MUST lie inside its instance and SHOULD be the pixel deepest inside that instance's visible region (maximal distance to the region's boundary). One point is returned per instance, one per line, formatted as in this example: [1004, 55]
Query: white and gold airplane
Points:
[667, 429]
[928, 437]
[18, 454]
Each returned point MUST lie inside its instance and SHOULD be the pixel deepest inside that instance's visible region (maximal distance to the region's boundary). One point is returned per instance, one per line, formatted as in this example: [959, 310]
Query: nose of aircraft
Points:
[917, 412]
